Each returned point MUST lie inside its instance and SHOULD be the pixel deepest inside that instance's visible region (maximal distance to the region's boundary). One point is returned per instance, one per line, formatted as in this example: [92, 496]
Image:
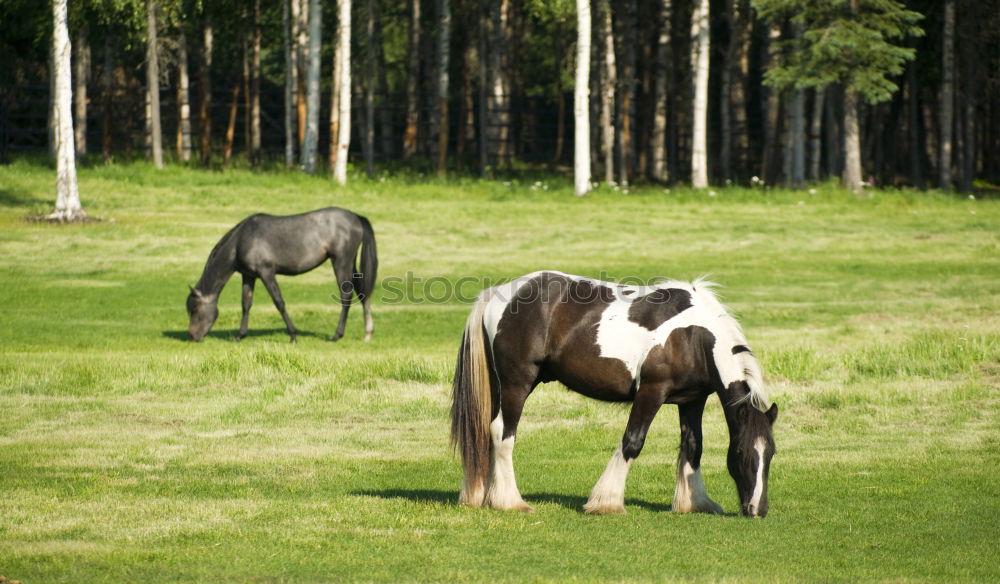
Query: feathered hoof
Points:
[604, 509]
[518, 505]
[707, 506]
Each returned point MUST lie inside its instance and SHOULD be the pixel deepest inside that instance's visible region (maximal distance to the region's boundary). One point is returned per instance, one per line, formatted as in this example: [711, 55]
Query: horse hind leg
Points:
[369, 323]
[502, 491]
[690, 495]
[343, 270]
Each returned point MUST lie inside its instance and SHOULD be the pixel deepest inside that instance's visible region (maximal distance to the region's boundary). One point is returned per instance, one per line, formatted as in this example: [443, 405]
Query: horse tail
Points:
[364, 280]
[472, 405]
[733, 357]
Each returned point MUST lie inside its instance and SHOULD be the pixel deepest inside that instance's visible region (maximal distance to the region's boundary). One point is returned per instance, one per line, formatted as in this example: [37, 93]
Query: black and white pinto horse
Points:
[263, 246]
[668, 343]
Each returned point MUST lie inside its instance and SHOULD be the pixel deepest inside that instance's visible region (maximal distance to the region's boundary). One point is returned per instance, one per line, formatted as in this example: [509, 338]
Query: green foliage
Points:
[130, 455]
[842, 41]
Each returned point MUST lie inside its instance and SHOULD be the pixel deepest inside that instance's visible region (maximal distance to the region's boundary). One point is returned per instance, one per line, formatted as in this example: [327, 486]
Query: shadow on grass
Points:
[182, 335]
[571, 502]
[11, 198]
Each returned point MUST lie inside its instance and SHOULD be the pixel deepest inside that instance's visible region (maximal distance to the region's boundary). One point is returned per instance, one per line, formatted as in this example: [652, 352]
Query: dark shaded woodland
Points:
[508, 99]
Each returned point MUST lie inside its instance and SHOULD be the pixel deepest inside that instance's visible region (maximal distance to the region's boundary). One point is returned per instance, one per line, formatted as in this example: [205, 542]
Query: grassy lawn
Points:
[130, 455]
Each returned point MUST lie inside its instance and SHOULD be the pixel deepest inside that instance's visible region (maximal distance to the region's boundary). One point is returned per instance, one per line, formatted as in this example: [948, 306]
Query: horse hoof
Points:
[604, 509]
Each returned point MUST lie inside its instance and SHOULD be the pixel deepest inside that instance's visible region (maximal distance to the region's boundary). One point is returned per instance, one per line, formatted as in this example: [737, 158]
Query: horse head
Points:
[202, 310]
[751, 447]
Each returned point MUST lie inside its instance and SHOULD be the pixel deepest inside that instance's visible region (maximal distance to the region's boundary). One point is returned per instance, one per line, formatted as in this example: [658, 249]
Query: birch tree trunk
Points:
[334, 110]
[581, 101]
[947, 102]
[444, 60]
[344, 56]
[153, 83]
[311, 141]
[700, 58]
[291, 81]
[183, 98]
[609, 82]
[205, 101]
[412, 83]
[68, 207]
[658, 142]
[852, 142]
[81, 76]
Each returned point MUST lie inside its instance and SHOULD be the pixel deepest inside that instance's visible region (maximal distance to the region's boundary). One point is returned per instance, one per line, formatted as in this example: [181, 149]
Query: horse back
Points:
[294, 244]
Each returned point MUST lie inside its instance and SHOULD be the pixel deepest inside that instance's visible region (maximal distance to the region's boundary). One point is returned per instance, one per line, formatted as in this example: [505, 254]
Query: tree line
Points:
[696, 91]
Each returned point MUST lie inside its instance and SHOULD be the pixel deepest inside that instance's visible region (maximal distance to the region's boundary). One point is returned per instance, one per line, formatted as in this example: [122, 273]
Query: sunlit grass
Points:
[128, 454]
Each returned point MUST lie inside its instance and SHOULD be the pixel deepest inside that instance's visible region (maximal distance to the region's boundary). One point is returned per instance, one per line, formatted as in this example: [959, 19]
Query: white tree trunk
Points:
[312, 89]
[700, 58]
[344, 56]
[183, 99]
[68, 206]
[291, 81]
[81, 76]
[153, 84]
[852, 142]
[947, 103]
[581, 101]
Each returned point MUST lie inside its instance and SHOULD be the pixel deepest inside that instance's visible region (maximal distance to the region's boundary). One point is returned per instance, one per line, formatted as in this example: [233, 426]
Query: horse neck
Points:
[219, 267]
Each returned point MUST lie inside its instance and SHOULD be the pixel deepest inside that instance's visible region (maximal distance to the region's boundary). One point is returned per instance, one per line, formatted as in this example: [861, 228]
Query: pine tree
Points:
[844, 42]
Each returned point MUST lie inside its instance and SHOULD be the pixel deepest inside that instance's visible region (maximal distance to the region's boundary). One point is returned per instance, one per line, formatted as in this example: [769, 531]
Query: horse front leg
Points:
[272, 288]
[248, 284]
[608, 495]
[689, 494]
[343, 270]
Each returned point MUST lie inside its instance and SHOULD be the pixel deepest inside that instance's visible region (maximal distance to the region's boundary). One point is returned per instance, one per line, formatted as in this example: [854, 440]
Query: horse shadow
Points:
[230, 335]
[571, 502]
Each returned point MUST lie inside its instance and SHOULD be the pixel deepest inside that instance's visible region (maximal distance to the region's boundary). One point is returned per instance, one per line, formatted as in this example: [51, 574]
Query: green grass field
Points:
[130, 455]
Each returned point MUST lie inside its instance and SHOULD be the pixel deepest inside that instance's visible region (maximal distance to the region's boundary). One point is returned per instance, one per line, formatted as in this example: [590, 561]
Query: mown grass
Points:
[128, 454]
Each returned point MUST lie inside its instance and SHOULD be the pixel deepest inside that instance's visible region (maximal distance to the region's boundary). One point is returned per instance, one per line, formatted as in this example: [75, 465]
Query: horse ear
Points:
[772, 414]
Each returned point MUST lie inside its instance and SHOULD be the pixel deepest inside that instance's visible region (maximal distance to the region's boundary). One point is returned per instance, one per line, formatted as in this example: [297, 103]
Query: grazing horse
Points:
[668, 343]
[262, 246]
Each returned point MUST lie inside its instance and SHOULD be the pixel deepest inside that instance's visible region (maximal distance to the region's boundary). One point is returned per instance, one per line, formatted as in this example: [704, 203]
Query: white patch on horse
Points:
[758, 489]
[690, 495]
[502, 492]
[608, 495]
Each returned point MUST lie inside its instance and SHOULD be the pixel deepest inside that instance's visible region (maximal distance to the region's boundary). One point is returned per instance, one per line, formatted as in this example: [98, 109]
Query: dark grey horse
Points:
[262, 246]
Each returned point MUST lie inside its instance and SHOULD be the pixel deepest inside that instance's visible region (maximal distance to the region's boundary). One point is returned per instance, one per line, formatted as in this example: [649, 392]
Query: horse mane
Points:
[749, 365]
[223, 243]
